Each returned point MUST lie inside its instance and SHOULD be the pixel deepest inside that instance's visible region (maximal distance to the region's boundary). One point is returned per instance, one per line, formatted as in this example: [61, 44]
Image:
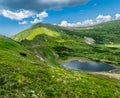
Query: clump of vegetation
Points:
[63, 52]
[23, 54]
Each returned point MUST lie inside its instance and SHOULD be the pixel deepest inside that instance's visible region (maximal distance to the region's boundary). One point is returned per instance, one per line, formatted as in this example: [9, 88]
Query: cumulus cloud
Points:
[42, 15]
[22, 14]
[35, 21]
[18, 15]
[22, 22]
[65, 23]
[117, 16]
[102, 18]
[21, 9]
[38, 5]
[88, 22]
[39, 17]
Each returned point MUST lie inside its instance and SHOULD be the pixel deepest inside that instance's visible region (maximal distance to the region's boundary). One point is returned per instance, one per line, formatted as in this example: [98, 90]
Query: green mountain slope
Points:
[44, 42]
[98, 43]
[22, 75]
[107, 32]
[9, 48]
[104, 33]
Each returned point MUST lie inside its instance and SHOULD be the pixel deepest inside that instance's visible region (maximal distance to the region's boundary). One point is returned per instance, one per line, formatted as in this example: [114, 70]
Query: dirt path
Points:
[110, 75]
[81, 59]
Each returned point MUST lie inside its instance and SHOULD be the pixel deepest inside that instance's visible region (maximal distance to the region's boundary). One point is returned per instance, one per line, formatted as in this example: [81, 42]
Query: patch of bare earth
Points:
[110, 75]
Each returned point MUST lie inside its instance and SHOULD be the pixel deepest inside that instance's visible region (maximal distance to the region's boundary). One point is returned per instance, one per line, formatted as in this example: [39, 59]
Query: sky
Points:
[17, 15]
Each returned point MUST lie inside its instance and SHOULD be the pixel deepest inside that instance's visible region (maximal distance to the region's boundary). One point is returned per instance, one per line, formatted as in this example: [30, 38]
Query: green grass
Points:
[27, 77]
[40, 31]
[31, 33]
[113, 46]
[43, 81]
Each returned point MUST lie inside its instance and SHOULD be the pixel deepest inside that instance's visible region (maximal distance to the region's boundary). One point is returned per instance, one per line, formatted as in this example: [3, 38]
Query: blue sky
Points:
[16, 16]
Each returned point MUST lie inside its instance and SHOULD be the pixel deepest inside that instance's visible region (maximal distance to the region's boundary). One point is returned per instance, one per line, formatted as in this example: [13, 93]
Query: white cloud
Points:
[39, 17]
[102, 18]
[35, 21]
[19, 15]
[88, 22]
[117, 16]
[22, 22]
[21, 9]
[64, 23]
[42, 15]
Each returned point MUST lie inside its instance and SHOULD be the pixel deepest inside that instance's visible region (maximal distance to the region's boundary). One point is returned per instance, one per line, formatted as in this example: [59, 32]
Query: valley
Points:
[30, 62]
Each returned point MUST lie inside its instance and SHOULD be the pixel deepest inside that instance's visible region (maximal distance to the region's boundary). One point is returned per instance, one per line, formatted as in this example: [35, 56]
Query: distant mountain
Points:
[108, 32]
[50, 42]
[104, 33]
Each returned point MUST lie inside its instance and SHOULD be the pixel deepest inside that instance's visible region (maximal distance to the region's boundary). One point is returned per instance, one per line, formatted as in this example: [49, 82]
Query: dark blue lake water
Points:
[88, 66]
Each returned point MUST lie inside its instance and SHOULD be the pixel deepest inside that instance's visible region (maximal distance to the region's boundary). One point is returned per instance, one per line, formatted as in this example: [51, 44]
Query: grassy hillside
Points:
[44, 42]
[22, 75]
[105, 33]
[54, 42]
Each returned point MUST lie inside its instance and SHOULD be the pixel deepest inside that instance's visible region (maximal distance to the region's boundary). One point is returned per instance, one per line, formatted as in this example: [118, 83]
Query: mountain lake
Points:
[88, 66]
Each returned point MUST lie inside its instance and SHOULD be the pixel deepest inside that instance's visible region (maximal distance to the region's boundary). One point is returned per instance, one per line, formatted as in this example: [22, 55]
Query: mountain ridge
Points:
[30, 65]
[74, 42]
